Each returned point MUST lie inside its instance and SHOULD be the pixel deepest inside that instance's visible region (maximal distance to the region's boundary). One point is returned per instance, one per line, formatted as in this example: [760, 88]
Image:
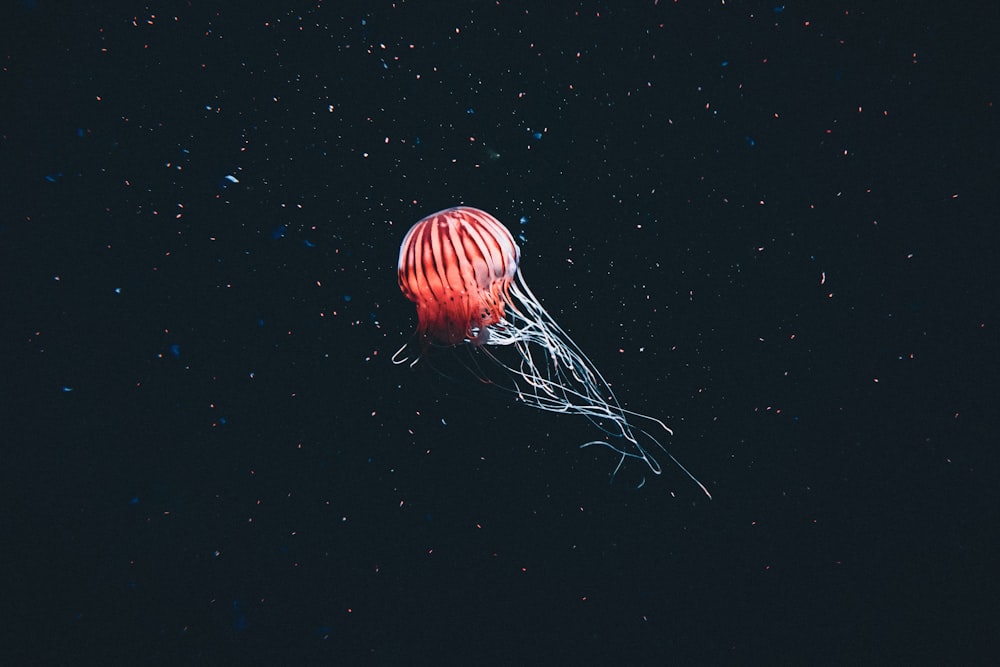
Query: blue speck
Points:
[260, 323]
[750, 141]
[416, 141]
[80, 132]
[523, 220]
[134, 500]
[307, 243]
[66, 389]
[231, 178]
[470, 111]
[222, 421]
[175, 350]
[536, 135]
[52, 178]
[279, 232]
[778, 9]
[725, 63]
[347, 297]
[240, 622]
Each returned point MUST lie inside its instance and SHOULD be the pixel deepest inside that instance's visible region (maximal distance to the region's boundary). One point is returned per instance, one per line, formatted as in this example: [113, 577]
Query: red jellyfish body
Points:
[457, 266]
[460, 266]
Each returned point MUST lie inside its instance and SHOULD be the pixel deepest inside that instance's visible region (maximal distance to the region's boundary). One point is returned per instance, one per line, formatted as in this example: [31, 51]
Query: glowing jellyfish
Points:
[460, 267]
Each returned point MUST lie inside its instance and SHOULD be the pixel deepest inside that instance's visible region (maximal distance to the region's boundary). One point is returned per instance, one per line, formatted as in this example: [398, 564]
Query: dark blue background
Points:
[772, 226]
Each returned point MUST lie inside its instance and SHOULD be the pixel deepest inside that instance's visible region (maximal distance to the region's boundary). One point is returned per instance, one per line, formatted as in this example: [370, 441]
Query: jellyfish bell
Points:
[457, 266]
[460, 266]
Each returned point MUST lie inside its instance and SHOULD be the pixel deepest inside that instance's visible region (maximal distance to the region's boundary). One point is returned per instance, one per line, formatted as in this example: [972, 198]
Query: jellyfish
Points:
[461, 267]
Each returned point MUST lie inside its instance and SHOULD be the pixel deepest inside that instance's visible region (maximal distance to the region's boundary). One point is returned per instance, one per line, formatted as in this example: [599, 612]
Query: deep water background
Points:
[772, 226]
